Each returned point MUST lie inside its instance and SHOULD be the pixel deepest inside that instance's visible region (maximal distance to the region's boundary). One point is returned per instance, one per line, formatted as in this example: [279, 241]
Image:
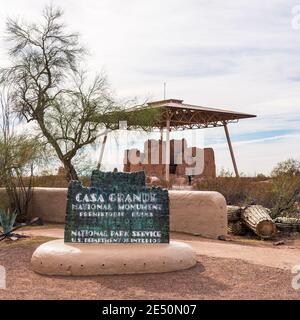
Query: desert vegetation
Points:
[52, 109]
[280, 192]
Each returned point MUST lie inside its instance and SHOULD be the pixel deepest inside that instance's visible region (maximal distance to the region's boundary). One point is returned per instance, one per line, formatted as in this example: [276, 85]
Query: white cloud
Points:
[241, 55]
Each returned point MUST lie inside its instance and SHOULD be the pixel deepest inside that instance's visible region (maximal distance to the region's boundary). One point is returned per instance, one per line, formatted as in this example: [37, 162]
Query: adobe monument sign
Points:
[115, 226]
[117, 208]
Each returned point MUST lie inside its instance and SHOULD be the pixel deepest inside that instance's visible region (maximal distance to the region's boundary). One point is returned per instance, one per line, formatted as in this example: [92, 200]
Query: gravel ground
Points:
[212, 278]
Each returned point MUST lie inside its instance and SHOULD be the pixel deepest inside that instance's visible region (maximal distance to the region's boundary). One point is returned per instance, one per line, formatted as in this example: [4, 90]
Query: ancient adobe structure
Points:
[184, 161]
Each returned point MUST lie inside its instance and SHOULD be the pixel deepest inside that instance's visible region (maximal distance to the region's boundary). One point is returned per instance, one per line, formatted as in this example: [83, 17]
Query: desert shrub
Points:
[19, 151]
[290, 167]
[235, 190]
[280, 193]
[260, 192]
[285, 195]
[261, 177]
[285, 188]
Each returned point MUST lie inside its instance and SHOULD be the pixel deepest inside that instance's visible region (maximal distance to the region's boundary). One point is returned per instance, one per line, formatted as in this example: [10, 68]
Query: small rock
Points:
[224, 238]
[278, 243]
[37, 221]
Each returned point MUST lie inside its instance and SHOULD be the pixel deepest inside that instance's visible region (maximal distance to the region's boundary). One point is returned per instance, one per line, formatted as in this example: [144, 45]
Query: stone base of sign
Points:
[70, 259]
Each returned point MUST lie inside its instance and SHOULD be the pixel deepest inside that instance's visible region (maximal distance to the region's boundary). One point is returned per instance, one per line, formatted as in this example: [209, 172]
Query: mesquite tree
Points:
[50, 89]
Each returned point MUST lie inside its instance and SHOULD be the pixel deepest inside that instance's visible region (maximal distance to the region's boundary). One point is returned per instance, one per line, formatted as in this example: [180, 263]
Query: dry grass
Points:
[280, 194]
[239, 191]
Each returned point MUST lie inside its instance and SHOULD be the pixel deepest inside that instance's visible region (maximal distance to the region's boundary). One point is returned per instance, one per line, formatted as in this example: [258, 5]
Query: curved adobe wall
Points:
[47, 203]
[195, 212]
[198, 212]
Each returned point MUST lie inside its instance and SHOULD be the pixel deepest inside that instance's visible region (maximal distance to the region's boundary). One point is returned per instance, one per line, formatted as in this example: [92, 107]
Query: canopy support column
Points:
[168, 151]
[231, 150]
[101, 152]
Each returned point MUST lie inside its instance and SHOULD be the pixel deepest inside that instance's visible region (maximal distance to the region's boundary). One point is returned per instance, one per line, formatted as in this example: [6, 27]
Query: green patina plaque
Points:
[117, 208]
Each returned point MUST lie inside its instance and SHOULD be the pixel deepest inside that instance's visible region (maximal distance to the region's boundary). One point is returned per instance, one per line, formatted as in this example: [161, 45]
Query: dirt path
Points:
[279, 257]
[211, 278]
[283, 257]
[45, 232]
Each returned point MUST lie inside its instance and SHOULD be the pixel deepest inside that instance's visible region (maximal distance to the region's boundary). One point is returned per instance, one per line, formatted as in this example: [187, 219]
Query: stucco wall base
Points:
[68, 259]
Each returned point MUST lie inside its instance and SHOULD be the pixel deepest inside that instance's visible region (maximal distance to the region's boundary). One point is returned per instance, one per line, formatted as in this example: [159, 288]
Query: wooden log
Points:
[287, 224]
[288, 220]
[257, 218]
[233, 213]
[237, 228]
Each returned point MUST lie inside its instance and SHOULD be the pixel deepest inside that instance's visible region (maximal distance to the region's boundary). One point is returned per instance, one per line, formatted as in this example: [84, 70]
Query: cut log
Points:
[234, 213]
[237, 228]
[257, 218]
[287, 225]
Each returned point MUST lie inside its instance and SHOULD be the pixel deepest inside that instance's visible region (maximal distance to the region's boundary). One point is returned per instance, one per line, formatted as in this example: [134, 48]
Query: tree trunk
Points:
[71, 173]
[258, 219]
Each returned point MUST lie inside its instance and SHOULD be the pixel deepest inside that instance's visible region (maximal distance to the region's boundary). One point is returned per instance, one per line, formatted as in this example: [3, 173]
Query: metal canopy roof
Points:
[187, 116]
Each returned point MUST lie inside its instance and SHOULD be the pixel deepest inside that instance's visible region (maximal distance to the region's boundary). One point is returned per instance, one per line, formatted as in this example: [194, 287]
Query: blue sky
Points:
[241, 55]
